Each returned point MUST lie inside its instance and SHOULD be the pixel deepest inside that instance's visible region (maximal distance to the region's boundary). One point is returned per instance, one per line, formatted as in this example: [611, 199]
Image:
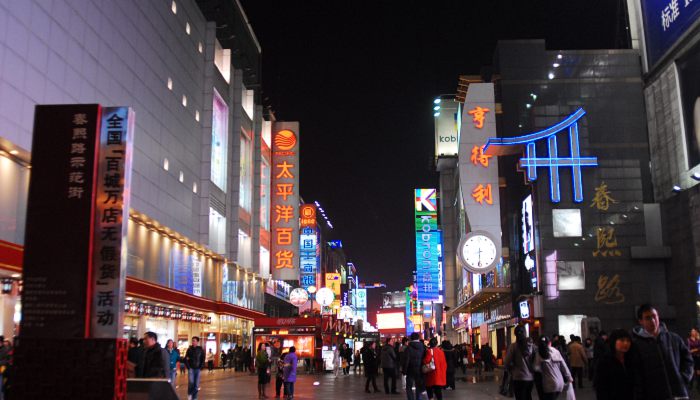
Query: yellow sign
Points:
[606, 243]
[333, 283]
[602, 198]
[609, 290]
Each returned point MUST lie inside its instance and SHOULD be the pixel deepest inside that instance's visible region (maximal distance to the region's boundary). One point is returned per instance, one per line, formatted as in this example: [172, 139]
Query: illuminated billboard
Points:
[393, 320]
[333, 283]
[429, 265]
[308, 256]
[447, 120]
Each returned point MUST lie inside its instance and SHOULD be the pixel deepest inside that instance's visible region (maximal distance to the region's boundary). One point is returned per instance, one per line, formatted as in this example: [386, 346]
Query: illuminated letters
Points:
[478, 115]
[285, 170]
[478, 156]
[606, 243]
[482, 194]
[602, 198]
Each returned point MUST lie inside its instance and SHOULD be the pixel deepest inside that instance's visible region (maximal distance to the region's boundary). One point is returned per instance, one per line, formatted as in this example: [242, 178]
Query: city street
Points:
[220, 385]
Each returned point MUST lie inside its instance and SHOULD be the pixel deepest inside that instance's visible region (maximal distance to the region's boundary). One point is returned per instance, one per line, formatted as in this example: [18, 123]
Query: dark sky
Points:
[360, 76]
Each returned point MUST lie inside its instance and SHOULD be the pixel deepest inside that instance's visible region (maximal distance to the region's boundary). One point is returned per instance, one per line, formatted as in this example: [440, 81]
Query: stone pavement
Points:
[220, 385]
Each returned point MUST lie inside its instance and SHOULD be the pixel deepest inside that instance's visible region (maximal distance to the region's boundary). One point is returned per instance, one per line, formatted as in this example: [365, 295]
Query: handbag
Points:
[429, 367]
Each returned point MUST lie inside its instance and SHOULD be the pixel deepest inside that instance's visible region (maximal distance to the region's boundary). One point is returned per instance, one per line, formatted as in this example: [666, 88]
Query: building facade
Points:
[198, 236]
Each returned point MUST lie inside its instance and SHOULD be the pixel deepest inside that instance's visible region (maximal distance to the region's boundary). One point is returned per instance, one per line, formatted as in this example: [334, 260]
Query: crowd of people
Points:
[649, 363]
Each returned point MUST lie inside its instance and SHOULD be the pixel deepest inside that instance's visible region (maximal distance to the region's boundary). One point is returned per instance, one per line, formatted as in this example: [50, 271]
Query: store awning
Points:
[11, 256]
[486, 298]
[151, 291]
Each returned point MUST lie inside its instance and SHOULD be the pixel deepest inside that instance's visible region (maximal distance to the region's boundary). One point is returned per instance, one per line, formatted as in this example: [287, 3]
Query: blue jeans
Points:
[289, 388]
[193, 382]
[173, 373]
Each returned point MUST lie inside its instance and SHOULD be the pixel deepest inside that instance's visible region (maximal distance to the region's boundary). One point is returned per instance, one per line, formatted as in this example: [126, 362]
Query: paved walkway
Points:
[237, 385]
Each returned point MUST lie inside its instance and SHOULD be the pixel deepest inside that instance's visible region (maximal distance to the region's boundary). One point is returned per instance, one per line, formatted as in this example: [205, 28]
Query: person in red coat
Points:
[437, 379]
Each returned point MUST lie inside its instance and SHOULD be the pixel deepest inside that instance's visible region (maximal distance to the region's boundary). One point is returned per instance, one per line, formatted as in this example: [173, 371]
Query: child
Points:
[279, 376]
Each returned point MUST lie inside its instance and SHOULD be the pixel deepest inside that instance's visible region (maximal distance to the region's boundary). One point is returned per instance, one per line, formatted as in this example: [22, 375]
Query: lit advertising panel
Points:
[333, 283]
[665, 21]
[429, 265]
[527, 225]
[285, 201]
[446, 121]
[219, 142]
[394, 320]
[308, 259]
[304, 344]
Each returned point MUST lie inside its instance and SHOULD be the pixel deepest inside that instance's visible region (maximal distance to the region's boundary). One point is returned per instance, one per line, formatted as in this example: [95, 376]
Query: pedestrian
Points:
[336, 361]
[663, 357]
[210, 361]
[412, 367]
[518, 362]
[369, 358]
[402, 360]
[487, 357]
[290, 372]
[223, 358]
[452, 360]
[357, 362]
[694, 347]
[279, 376]
[248, 360]
[389, 363]
[173, 358]
[555, 373]
[588, 346]
[262, 363]
[346, 355]
[229, 358]
[238, 359]
[577, 360]
[155, 361]
[133, 355]
[615, 377]
[435, 379]
[478, 363]
[194, 359]
[600, 349]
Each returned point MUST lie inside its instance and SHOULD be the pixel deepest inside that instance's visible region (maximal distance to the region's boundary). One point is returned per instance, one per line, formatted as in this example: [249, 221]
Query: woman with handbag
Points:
[262, 363]
[555, 373]
[435, 370]
[518, 363]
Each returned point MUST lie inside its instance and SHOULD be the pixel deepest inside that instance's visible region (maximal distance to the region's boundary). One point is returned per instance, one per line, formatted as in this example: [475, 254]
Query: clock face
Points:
[325, 296]
[479, 252]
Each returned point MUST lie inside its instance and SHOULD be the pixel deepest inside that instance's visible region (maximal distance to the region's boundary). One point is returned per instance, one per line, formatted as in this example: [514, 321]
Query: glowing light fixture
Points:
[436, 108]
[551, 75]
[437, 114]
[558, 56]
[14, 152]
[677, 188]
[555, 65]
[437, 101]
[528, 105]
[695, 176]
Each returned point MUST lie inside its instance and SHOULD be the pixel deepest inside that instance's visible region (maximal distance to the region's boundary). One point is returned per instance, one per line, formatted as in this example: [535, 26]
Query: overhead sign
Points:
[524, 309]
[446, 128]
[285, 201]
[665, 22]
[478, 172]
[307, 216]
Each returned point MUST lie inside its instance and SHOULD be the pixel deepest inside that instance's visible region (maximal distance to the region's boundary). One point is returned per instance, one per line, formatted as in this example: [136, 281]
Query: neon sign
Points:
[531, 162]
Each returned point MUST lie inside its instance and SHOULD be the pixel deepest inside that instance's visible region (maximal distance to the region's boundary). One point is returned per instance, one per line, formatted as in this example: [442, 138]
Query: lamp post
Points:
[312, 291]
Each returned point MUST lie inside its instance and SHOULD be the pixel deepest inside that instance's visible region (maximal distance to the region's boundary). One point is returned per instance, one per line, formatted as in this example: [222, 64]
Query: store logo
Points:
[285, 140]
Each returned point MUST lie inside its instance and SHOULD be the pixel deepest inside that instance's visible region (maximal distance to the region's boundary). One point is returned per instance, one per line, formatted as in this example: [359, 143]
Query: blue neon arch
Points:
[553, 161]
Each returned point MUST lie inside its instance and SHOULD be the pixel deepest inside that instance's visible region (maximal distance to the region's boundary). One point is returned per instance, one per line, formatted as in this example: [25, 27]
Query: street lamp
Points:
[312, 291]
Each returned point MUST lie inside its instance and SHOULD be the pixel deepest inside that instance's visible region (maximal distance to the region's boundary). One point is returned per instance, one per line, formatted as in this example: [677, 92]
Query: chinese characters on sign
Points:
[478, 156]
[482, 194]
[606, 243]
[111, 217]
[428, 245]
[78, 148]
[478, 115]
[609, 290]
[602, 198]
[308, 246]
[285, 202]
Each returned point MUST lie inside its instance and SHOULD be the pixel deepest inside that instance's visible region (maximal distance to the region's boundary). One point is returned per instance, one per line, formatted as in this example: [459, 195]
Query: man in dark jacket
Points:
[369, 358]
[412, 367]
[388, 360]
[155, 361]
[194, 358]
[662, 357]
[451, 357]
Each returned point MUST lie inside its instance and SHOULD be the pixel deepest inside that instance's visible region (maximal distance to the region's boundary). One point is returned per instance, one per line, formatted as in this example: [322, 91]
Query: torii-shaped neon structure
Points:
[531, 162]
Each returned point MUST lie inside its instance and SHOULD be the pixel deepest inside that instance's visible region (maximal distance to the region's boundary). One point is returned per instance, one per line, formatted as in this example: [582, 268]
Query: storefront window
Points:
[219, 142]
[246, 186]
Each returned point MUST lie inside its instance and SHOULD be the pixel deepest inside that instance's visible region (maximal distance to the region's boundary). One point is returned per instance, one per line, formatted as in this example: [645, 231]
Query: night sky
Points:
[360, 76]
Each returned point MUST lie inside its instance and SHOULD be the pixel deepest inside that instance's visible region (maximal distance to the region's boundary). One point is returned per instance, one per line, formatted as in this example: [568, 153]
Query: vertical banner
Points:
[57, 265]
[308, 246]
[285, 201]
[110, 221]
[428, 246]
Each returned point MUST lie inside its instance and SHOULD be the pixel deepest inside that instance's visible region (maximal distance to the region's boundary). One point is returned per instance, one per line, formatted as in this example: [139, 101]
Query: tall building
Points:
[667, 33]
[198, 235]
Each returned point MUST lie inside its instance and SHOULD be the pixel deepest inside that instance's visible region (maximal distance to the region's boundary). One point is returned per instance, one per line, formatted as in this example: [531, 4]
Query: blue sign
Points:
[429, 265]
[552, 161]
[308, 259]
[335, 244]
[665, 21]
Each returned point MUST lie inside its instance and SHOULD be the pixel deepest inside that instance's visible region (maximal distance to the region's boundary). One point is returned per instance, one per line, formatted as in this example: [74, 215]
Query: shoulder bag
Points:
[430, 366]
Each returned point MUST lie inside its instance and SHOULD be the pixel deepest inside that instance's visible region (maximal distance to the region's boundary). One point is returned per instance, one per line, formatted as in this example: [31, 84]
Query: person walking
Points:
[577, 360]
[290, 372]
[600, 349]
[487, 357]
[262, 363]
[155, 361]
[555, 373]
[615, 378]
[478, 363]
[452, 359]
[412, 367]
[518, 362]
[210, 361]
[588, 346]
[336, 361]
[357, 362]
[238, 359]
[389, 363]
[173, 358]
[229, 358]
[694, 347]
[279, 376]
[402, 360]
[223, 357]
[666, 365]
[369, 358]
[346, 357]
[194, 359]
[435, 379]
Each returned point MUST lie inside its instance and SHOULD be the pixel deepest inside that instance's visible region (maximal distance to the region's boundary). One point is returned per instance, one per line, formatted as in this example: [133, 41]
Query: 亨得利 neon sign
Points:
[531, 162]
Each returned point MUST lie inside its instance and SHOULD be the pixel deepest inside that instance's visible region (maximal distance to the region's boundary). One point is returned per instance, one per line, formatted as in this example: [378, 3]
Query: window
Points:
[570, 325]
[222, 60]
[567, 223]
[264, 262]
[217, 231]
[248, 102]
[244, 249]
[246, 189]
[571, 275]
[265, 195]
[219, 142]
